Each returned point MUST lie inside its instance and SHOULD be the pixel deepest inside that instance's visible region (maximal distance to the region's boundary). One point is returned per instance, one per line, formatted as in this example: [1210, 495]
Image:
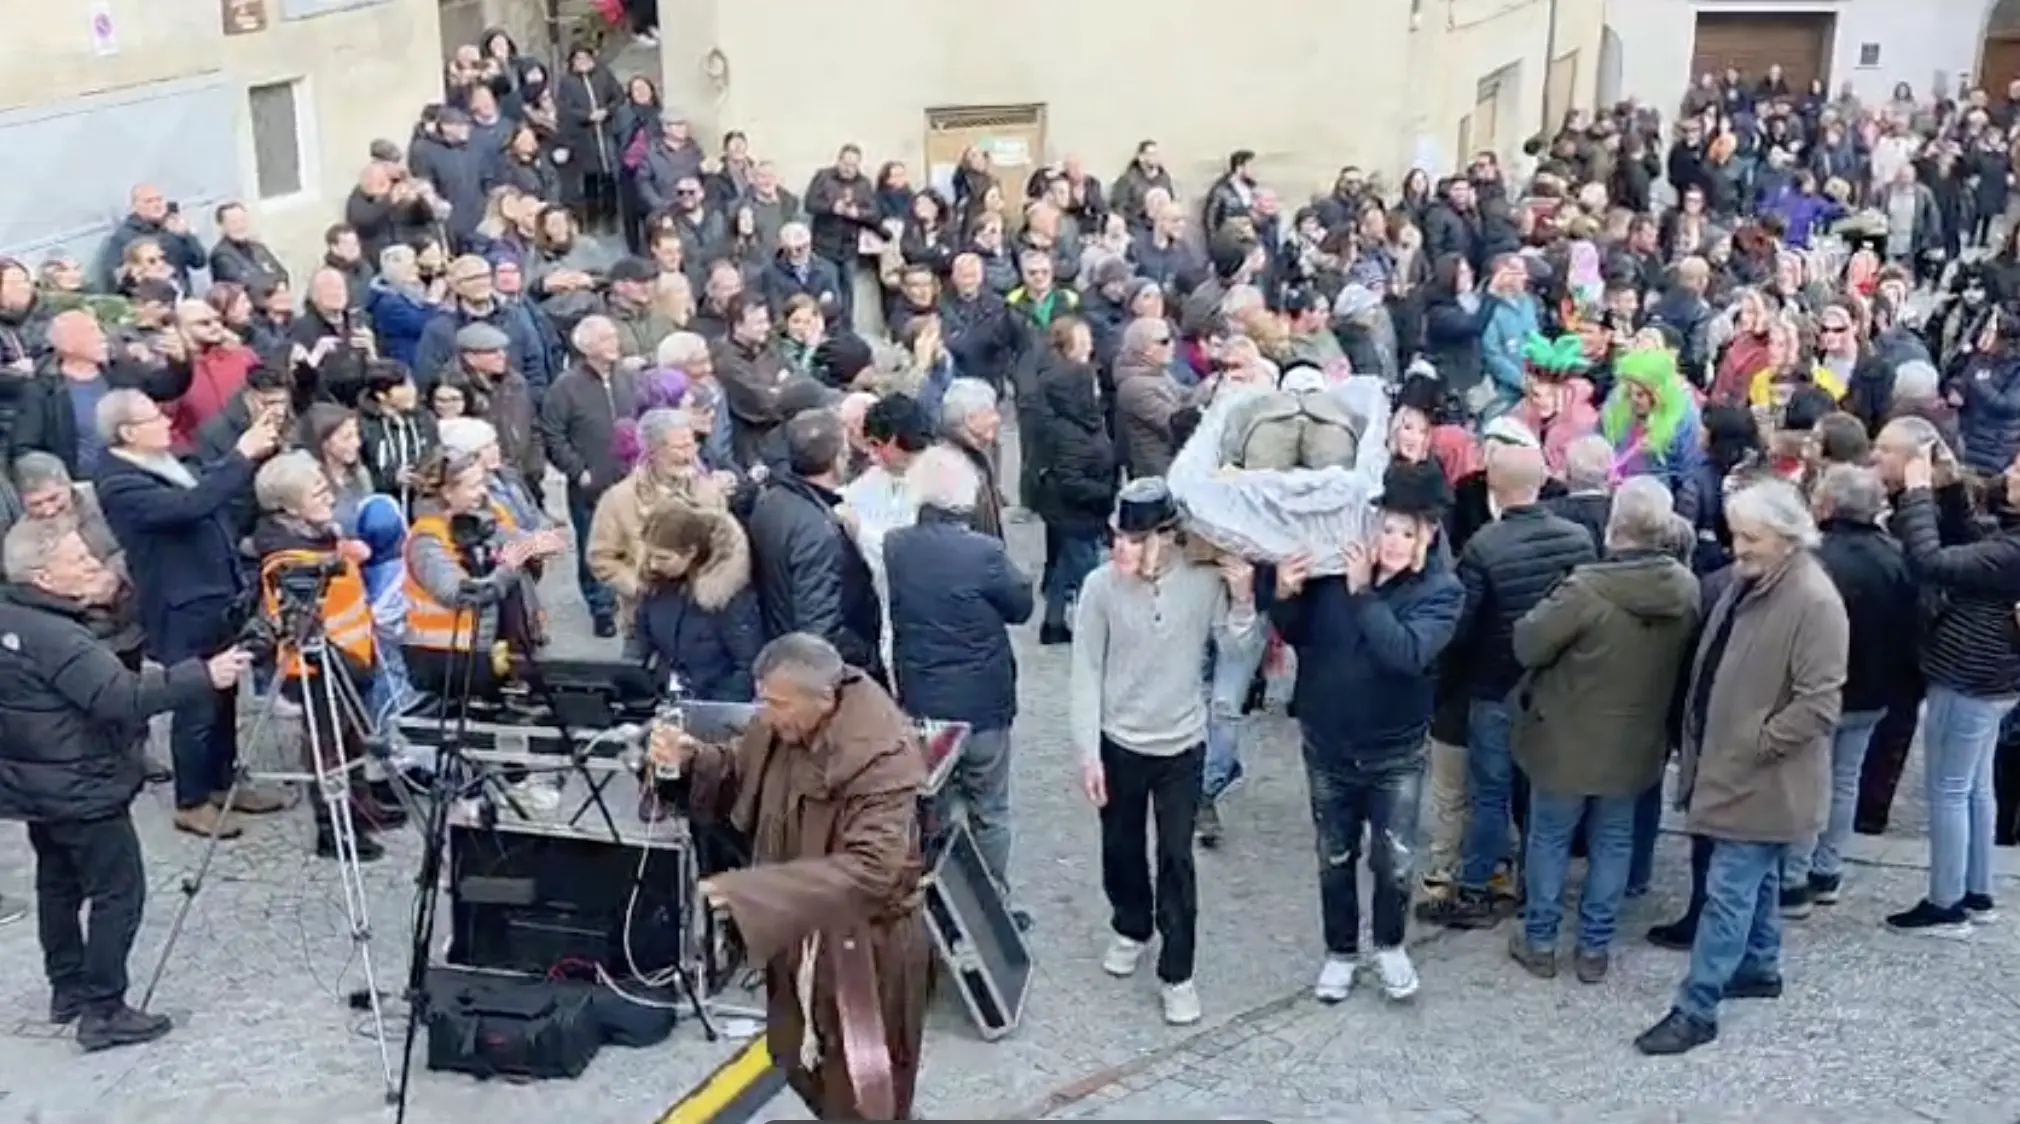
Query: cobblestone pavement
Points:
[1875, 1027]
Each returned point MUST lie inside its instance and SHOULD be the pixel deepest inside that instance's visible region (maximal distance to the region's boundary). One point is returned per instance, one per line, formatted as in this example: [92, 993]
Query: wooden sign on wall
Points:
[244, 17]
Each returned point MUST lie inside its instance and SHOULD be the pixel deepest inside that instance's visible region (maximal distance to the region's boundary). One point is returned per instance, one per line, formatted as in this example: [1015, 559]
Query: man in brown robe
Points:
[825, 784]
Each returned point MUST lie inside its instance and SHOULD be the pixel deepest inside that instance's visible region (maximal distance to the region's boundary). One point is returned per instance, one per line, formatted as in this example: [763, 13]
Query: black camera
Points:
[471, 534]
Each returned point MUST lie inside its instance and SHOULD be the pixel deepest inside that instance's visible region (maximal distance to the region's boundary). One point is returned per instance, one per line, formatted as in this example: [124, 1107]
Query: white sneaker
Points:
[646, 39]
[1122, 956]
[1181, 1004]
[1336, 979]
[1399, 976]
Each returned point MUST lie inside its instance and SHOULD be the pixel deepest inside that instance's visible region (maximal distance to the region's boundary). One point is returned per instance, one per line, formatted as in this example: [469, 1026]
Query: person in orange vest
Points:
[457, 601]
[302, 553]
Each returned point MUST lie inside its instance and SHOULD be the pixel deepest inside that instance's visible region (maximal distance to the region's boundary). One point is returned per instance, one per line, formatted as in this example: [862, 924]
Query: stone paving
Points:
[1875, 1027]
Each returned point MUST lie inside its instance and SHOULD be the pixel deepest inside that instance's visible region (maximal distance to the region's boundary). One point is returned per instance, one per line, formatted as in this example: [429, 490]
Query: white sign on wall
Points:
[104, 33]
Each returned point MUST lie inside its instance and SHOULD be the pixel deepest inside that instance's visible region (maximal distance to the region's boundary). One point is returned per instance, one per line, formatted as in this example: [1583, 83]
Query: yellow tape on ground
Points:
[734, 1093]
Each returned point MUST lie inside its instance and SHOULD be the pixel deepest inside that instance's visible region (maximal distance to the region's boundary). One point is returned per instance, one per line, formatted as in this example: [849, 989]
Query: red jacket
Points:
[219, 376]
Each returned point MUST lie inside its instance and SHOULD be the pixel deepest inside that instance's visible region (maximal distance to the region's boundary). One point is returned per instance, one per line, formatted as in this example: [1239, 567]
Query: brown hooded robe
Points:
[836, 871]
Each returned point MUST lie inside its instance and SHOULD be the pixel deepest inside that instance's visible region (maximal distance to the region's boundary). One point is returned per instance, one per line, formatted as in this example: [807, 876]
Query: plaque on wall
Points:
[244, 17]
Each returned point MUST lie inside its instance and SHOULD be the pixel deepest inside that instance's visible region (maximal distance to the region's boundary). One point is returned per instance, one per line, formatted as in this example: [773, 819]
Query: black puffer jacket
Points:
[1973, 643]
[1510, 566]
[1072, 458]
[1880, 601]
[61, 761]
[811, 577]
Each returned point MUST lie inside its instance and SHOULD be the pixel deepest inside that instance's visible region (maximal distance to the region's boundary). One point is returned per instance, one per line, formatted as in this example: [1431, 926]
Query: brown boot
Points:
[250, 801]
[207, 820]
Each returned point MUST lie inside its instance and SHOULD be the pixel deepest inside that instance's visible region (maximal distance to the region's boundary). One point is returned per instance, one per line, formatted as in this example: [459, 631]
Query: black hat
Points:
[1145, 506]
[841, 357]
[633, 269]
[1415, 489]
[800, 394]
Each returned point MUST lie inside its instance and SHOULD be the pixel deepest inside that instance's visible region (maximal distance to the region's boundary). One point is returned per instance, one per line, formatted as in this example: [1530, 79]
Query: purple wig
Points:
[663, 388]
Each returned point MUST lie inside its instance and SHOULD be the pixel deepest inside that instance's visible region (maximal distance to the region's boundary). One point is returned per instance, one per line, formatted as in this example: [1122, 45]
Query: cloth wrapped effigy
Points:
[1268, 515]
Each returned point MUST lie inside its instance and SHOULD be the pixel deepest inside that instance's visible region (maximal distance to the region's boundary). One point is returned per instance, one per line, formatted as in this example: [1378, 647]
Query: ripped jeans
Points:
[1352, 802]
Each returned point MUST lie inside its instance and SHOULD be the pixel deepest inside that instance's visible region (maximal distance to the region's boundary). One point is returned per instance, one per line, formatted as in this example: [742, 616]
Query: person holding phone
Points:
[1986, 394]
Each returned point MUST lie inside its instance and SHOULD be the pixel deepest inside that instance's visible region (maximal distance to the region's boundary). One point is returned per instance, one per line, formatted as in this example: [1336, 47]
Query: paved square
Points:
[1875, 1027]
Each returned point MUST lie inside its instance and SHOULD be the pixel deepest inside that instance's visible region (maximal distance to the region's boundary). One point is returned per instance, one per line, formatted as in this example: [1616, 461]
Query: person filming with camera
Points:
[72, 728]
[312, 591]
[467, 579]
[177, 526]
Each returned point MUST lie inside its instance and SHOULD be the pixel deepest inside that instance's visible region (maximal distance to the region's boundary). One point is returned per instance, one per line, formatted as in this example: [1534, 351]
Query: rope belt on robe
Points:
[866, 1052]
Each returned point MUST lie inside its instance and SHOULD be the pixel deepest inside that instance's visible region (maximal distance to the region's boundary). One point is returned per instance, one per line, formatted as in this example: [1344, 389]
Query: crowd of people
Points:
[1730, 484]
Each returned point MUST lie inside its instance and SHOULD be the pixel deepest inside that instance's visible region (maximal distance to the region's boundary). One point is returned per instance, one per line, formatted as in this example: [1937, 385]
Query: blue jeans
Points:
[582, 509]
[1739, 935]
[980, 783]
[1647, 829]
[1228, 676]
[1079, 553]
[1609, 842]
[1959, 736]
[1490, 783]
[1348, 801]
[1848, 759]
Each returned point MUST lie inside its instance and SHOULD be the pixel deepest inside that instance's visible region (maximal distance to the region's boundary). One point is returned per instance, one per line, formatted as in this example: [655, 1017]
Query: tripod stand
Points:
[325, 683]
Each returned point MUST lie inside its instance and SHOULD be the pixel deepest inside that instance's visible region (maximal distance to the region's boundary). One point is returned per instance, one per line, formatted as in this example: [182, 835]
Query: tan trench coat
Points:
[1758, 767]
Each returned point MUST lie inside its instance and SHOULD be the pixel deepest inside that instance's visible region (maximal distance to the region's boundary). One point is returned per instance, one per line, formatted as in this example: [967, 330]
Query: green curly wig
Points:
[1654, 370]
[1556, 359]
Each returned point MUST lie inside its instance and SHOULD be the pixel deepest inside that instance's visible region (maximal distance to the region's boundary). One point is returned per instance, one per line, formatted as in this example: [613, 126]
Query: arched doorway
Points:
[1999, 48]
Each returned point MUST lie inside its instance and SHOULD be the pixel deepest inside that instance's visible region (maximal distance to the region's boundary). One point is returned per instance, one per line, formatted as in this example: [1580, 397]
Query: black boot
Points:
[1677, 1033]
[119, 1026]
[376, 807]
[369, 849]
[1051, 633]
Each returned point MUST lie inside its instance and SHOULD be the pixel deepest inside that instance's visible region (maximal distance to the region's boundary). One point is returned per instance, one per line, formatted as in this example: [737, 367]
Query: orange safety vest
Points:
[346, 608]
[431, 624]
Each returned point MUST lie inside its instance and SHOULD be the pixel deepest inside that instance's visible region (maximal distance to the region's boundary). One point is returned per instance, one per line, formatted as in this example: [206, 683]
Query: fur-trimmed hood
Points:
[727, 571]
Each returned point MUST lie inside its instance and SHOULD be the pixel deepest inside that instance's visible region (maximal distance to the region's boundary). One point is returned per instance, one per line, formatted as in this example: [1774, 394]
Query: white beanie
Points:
[464, 437]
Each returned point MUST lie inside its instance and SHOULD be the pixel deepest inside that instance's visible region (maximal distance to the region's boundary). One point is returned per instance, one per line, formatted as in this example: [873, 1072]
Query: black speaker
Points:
[541, 904]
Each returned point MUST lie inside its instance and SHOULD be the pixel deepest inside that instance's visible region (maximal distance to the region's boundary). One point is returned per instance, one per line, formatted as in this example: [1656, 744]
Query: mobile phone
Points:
[174, 208]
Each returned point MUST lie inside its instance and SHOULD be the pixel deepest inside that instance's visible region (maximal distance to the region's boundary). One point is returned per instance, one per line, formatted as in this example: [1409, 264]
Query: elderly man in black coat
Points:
[70, 765]
[954, 596]
[177, 527]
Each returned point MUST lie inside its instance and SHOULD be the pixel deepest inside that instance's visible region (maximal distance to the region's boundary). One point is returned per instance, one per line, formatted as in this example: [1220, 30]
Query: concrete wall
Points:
[366, 70]
[1919, 39]
[1309, 85]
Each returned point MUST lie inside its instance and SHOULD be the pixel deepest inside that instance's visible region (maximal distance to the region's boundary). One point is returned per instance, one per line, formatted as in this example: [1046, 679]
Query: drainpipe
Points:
[1549, 63]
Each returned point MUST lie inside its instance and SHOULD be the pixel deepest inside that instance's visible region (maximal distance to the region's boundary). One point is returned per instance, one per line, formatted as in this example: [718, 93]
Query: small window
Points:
[277, 138]
[1869, 54]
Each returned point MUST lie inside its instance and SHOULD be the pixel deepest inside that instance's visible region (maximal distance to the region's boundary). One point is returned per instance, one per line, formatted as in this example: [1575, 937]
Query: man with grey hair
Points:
[578, 426]
[669, 470]
[954, 595]
[1882, 612]
[1760, 708]
[1587, 501]
[970, 424]
[826, 781]
[1601, 656]
[811, 574]
[796, 271]
[68, 769]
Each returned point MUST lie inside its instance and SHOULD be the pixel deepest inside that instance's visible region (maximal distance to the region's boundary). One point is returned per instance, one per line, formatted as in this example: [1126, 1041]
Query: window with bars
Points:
[278, 160]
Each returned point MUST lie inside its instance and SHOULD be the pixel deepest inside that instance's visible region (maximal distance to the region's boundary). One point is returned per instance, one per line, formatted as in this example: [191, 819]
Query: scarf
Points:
[163, 465]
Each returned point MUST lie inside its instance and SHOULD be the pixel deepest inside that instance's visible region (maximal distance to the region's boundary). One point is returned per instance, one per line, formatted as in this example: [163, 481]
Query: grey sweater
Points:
[1139, 654]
